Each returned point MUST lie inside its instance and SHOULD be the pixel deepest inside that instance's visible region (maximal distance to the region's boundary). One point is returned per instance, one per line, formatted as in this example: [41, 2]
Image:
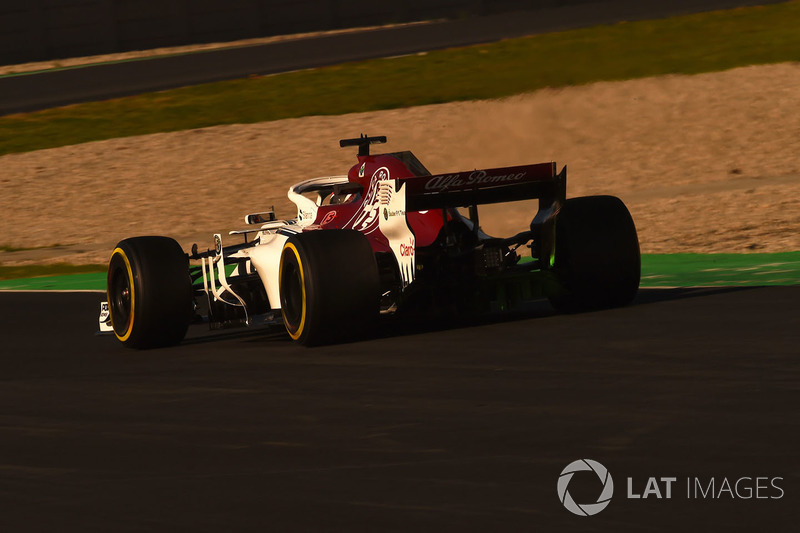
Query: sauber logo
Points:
[392, 213]
[407, 250]
[477, 177]
[328, 218]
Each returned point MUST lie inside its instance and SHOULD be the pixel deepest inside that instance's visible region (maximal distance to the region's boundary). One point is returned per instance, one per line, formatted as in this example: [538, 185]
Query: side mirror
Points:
[260, 218]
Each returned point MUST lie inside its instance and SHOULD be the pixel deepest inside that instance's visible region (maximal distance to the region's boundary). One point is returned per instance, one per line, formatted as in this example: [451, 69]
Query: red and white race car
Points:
[386, 238]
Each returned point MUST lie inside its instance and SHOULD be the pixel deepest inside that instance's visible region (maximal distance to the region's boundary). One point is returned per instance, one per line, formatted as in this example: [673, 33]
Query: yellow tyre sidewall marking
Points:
[296, 334]
[125, 337]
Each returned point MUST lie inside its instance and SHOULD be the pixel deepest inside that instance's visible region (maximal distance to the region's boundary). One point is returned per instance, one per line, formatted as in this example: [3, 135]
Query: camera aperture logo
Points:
[585, 509]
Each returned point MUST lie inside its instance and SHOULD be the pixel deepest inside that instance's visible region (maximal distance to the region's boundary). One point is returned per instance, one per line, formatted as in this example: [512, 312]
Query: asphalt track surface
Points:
[439, 428]
[51, 88]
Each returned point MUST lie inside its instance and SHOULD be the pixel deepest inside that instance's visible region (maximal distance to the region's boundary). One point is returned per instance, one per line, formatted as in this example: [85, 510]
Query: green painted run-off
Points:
[719, 270]
[658, 270]
[93, 281]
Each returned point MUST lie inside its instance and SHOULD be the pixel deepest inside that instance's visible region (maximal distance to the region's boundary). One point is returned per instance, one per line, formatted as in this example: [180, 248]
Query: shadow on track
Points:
[395, 326]
[650, 296]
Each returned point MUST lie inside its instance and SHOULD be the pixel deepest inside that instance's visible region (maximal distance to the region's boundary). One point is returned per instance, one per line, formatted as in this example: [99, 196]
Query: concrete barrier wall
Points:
[36, 30]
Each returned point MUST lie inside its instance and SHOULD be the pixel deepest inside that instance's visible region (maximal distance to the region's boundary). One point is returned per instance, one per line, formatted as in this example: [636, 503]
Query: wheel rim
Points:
[120, 296]
[292, 295]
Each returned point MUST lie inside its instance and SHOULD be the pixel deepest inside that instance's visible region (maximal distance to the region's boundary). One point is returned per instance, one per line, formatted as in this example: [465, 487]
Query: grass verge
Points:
[688, 44]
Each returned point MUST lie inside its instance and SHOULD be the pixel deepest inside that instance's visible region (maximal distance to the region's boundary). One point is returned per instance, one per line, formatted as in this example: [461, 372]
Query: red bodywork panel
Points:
[362, 215]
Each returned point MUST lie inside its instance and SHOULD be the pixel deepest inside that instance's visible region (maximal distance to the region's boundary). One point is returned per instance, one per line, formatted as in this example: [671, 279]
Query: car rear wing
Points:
[488, 186]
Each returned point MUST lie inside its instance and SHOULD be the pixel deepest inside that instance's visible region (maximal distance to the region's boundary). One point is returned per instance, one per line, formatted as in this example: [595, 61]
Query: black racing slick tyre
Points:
[329, 285]
[149, 292]
[597, 261]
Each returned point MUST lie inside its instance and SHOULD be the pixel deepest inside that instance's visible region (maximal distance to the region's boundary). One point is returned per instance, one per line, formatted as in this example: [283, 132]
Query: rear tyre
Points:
[329, 284]
[149, 292]
[597, 262]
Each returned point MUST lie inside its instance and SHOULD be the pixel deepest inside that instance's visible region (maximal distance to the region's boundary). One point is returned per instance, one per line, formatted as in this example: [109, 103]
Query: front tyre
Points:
[597, 261]
[149, 292]
[329, 285]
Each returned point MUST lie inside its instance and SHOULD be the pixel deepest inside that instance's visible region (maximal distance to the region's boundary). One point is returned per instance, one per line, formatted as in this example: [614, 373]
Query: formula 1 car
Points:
[386, 239]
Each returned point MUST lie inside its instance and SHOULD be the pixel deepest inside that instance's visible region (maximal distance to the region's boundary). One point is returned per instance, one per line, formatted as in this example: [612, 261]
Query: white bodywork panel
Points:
[104, 320]
[394, 226]
[266, 257]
